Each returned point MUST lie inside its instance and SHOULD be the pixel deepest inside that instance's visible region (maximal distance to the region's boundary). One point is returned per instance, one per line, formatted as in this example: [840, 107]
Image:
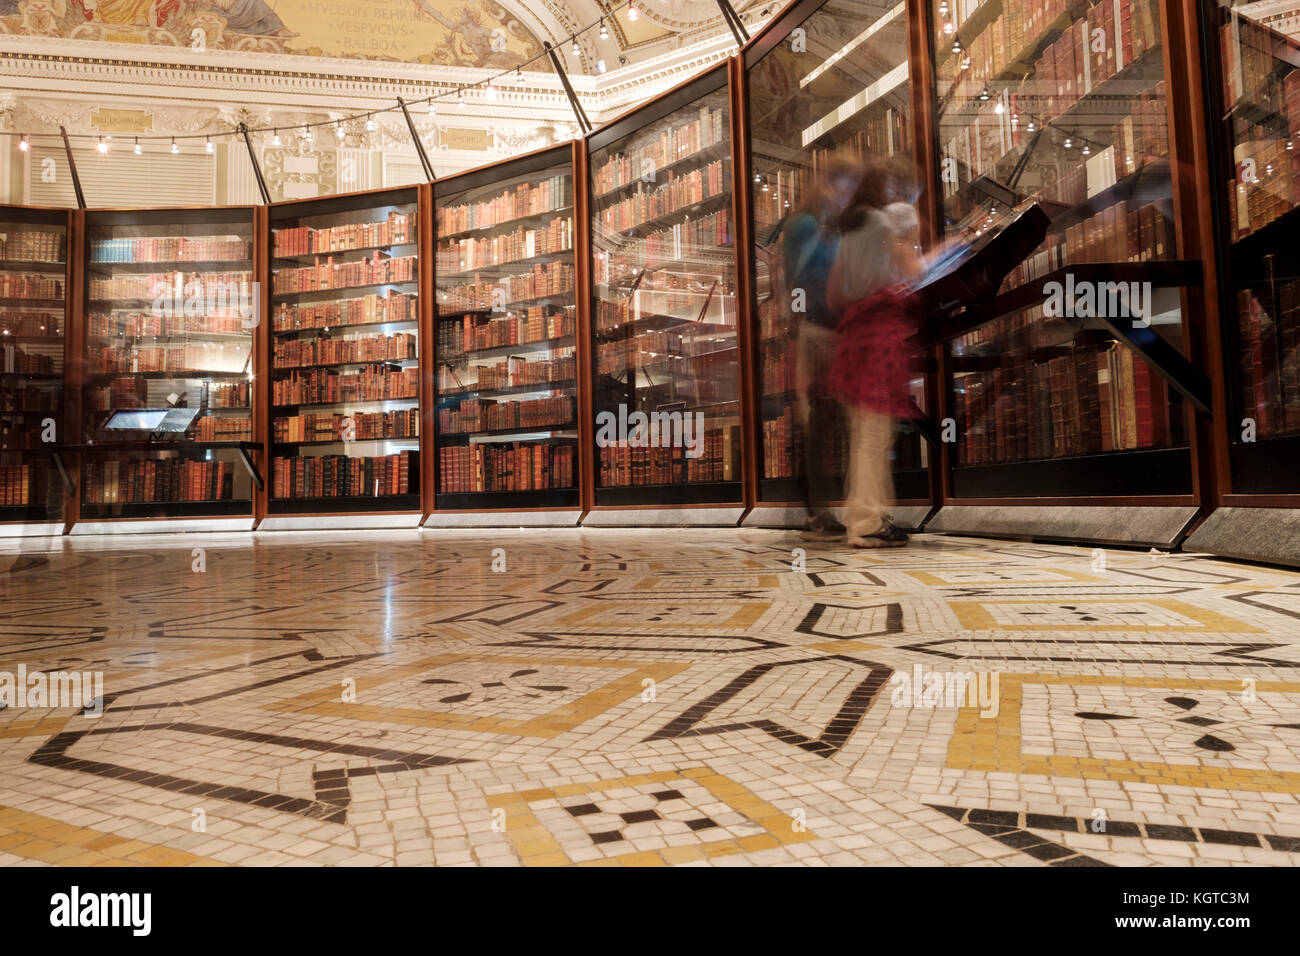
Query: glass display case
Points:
[828, 92]
[1062, 102]
[666, 394]
[1257, 94]
[33, 324]
[345, 378]
[168, 391]
[506, 336]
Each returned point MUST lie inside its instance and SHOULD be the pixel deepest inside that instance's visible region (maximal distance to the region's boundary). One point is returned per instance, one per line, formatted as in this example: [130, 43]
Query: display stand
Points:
[506, 345]
[34, 283]
[852, 105]
[170, 311]
[666, 394]
[1058, 419]
[345, 384]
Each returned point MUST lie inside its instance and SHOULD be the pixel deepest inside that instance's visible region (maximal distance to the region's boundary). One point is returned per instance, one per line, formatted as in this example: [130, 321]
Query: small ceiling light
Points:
[207, 147]
[984, 95]
[577, 50]
[600, 66]
[338, 131]
[460, 97]
[998, 109]
[24, 145]
[306, 134]
[604, 33]
[631, 10]
[956, 46]
[948, 28]
[1030, 127]
[275, 140]
[1068, 142]
[1087, 150]
[1288, 146]
[433, 105]
[370, 124]
[943, 6]
[175, 149]
[137, 149]
[491, 91]
[103, 146]
[519, 76]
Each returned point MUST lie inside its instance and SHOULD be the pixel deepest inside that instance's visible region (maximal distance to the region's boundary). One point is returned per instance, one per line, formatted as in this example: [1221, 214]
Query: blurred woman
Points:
[879, 251]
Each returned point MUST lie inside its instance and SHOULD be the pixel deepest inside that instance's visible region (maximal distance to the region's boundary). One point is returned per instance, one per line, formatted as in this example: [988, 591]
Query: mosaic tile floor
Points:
[647, 698]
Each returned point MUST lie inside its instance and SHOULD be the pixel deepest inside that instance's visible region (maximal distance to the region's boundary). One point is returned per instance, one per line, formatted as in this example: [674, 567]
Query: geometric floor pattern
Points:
[647, 698]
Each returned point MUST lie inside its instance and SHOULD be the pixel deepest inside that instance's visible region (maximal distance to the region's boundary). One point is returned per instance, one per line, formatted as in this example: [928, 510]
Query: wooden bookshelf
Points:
[344, 396]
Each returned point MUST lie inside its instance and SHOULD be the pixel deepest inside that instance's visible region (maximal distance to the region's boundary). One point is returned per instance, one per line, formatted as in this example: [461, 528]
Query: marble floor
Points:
[613, 697]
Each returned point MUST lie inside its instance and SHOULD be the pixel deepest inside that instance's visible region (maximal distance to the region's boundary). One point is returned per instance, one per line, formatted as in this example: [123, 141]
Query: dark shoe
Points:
[824, 527]
[887, 537]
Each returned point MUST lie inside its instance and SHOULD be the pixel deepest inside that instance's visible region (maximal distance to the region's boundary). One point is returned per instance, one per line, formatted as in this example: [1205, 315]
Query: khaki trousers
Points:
[870, 481]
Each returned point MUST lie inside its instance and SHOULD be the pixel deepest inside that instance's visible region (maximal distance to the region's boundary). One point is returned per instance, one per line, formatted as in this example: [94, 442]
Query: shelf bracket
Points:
[72, 168]
[584, 124]
[257, 167]
[415, 138]
[252, 469]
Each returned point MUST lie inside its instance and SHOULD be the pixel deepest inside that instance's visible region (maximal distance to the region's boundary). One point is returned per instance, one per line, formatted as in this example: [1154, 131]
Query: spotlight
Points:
[1068, 142]
[460, 97]
[370, 124]
[275, 140]
[103, 146]
[600, 66]
[175, 149]
[604, 33]
[1087, 150]
[631, 11]
[24, 145]
[577, 50]
[998, 109]
[491, 91]
[207, 148]
[984, 95]
[137, 149]
[338, 131]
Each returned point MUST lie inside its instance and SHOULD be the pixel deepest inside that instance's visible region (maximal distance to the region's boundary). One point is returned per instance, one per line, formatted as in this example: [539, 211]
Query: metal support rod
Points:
[734, 23]
[584, 125]
[72, 167]
[257, 169]
[415, 138]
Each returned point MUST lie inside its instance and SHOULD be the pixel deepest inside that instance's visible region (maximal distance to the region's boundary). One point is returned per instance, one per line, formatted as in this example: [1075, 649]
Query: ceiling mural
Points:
[476, 33]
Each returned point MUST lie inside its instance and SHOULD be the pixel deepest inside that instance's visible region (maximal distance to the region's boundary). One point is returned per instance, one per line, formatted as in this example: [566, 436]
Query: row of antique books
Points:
[398, 228]
[183, 358]
[511, 373]
[15, 359]
[683, 240]
[526, 199]
[466, 334]
[132, 324]
[623, 465]
[31, 323]
[1088, 400]
[462, 255]
[376, 270]
[510, 466]
[223, 428]
[1269, 357]
[352, 426]
[172, 288]
[22, 485]
[543, 279]
[31, 245]
[1119, 233]
[170, 249]
[340, 476]
[665, 196]
[779, 369]
[322, 386]
[643, 162]
[18, 397]
[362, 310]
[1267, 181]
[357, 348]
[17, 285]
[481, 415]
[149, 480]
